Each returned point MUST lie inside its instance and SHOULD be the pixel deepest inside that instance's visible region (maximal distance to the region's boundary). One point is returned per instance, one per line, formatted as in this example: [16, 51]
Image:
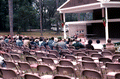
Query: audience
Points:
[89, 46]
[62, 43]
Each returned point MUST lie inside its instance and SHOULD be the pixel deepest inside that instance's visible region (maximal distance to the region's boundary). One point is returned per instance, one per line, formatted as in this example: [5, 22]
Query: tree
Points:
[25, 15]
[57, 16]
[40, 2]
[11, 16]
[3, 12]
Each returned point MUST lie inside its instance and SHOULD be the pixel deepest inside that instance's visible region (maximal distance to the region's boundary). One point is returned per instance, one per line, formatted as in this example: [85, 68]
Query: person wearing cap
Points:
[77, 44]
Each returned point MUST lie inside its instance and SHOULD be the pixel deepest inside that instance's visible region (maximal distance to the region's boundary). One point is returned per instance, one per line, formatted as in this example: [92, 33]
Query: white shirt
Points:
[40, 42]
[1, 59]
[26, 42]
[98, 46]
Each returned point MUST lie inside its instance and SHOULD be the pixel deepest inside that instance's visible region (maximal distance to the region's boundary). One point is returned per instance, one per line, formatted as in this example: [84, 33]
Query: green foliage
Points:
[60, 38]
[27, 16]
[3, 13]
[71, 17]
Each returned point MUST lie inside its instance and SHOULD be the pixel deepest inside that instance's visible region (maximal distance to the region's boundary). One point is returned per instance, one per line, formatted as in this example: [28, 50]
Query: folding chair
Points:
[66, 63]
[91, 52]
[71, 57]
[31, 76]
[54, 52]
[107, 54]
[25, 67]
[115, 57]
[8, 73]
[90, 65]
[112, 69]
[12, 65]
[97, 55]
[7, 56]
[88, 74]
[16, 58]
[69, 71]
[61, 77]
[39, 55]
[87, 59]
[117, 76]
[50, 55]
[32, 61]
[45, 71]
[48, 61]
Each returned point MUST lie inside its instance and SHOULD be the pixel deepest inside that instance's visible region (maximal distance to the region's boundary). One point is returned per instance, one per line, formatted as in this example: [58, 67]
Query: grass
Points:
[37, 34]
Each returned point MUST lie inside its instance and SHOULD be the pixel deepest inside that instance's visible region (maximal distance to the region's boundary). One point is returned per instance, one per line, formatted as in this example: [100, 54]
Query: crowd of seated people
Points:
[55, 42]
[34, 44]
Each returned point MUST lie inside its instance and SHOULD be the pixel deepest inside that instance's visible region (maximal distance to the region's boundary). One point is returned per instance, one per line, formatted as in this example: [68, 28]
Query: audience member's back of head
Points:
[97, 41]
[5, 37]
[52, 38]
[109, 40]
[26, 38]
[89, 42]
[41, 39]
[20, 38]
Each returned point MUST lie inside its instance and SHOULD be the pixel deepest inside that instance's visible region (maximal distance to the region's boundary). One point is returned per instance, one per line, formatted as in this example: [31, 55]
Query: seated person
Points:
[89, 46]
[19, 41]
[62, 44]
[83, 39]
[2, 63]
[98, 45]
[110, 46]
[6, 39]
[78, 45]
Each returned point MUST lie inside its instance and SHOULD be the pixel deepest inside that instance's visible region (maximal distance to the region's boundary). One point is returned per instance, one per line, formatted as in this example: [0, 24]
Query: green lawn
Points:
[37, 34]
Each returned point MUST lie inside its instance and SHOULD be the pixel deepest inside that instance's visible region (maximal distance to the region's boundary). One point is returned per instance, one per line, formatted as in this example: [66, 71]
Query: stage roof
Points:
[88, 7]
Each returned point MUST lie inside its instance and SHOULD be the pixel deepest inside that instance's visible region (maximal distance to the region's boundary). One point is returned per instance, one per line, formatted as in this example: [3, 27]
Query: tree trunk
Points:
[10, 2]
[58, 32]
[40, 2]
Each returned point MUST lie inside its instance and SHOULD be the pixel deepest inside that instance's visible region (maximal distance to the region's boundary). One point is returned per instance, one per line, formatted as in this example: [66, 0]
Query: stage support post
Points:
[64, 26]
[106, 27]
